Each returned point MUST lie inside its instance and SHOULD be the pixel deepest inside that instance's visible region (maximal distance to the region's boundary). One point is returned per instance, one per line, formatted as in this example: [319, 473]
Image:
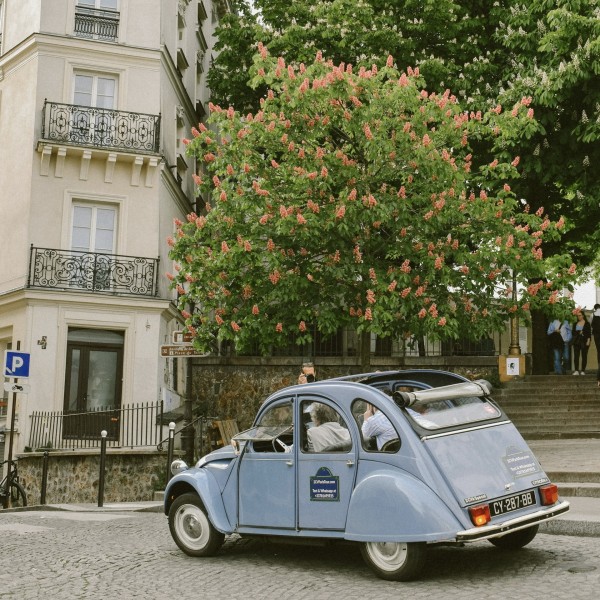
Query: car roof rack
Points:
[478, 388]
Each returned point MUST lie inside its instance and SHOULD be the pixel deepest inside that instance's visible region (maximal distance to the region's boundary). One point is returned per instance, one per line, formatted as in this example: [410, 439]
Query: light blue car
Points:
[394, 461]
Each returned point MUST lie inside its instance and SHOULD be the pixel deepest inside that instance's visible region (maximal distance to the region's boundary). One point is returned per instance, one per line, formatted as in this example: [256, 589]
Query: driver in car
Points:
[327, 434]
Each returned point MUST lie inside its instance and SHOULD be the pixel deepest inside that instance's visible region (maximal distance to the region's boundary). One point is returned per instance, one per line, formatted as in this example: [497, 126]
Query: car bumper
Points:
[496, 530]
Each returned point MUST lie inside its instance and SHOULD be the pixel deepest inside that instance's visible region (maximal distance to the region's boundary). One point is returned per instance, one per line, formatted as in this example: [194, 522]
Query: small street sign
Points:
[17, 387]
[16, 364]
[176, 351]
[182, 338]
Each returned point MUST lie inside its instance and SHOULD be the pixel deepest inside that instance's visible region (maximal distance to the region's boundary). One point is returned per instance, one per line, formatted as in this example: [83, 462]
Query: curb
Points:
[88, 508]
[572, 528]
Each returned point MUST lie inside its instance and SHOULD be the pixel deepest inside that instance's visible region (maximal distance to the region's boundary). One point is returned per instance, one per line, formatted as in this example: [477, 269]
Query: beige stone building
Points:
[96, 97]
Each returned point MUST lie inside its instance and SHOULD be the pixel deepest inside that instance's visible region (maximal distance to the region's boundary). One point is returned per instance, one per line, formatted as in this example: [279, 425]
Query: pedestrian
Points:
[559, 337]
[596, 334]
[308, 373]
[582, 337]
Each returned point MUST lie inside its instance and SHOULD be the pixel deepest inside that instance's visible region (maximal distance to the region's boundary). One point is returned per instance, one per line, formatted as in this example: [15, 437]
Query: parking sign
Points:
[16, 364]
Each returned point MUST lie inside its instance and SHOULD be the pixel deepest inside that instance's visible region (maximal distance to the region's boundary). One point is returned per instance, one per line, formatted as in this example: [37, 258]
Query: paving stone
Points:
[132, 555]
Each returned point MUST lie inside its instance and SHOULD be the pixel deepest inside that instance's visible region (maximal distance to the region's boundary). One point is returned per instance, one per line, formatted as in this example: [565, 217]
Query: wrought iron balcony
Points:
[96, 24]
[72, 270]
[100, 127]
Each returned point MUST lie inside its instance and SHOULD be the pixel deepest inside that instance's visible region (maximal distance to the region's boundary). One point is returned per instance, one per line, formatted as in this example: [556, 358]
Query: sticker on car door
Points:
[324, 486]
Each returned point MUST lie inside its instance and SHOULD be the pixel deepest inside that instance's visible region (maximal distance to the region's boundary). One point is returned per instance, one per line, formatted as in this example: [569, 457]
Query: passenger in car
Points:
[377, 425]
[327, 433]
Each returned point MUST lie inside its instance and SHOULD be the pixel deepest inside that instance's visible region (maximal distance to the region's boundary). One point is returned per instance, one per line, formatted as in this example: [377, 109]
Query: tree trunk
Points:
[365, 351]
[539, 343]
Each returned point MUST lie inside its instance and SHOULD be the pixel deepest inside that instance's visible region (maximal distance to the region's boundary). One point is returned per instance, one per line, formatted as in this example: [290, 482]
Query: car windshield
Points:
[262, 432]
[451, 412]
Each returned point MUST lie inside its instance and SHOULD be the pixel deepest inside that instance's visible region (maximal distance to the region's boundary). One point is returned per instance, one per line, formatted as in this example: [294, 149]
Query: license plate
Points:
[510, 503]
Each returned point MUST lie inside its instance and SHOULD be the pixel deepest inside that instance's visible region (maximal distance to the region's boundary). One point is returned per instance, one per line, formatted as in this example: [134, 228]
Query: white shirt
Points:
[379, 427]
[327, 434]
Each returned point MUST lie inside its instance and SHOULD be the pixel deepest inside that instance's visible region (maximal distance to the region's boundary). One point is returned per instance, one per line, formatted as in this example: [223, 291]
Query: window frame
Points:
[95, 207]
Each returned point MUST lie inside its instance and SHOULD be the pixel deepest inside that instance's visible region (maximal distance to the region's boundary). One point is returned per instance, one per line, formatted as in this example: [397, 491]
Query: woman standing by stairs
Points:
[582, 337]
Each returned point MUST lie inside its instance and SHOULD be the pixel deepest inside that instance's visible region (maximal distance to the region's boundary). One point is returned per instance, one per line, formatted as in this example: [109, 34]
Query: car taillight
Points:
[480, 514]
[549, 494]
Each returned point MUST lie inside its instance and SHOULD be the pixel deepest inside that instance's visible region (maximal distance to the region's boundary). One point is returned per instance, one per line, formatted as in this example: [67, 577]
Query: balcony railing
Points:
[100, 127]
[96, 24]
[130, 426]
[72, 270]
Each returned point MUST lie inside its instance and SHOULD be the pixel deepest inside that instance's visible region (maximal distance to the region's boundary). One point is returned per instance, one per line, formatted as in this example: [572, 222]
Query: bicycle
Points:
[12, 493]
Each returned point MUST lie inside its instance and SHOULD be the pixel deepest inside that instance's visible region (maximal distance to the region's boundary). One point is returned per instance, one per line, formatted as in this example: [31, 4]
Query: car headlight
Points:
[178, 466]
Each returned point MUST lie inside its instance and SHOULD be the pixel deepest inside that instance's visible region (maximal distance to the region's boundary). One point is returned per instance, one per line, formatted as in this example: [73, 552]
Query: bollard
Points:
[44, 477]
[170, 449]
[103, 435]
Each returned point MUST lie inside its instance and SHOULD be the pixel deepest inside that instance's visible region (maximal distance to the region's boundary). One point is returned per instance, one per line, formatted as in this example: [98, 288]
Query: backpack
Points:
[555, 340]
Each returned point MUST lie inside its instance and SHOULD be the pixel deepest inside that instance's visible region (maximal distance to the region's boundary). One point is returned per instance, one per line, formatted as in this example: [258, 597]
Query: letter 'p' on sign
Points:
[16, 364]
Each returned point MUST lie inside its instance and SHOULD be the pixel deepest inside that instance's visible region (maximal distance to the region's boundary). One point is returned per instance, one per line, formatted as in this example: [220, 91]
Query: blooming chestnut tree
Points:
[349, 199]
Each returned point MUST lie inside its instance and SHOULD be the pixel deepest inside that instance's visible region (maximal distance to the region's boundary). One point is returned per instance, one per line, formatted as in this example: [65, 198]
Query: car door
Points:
[267, 479]
[327, 470]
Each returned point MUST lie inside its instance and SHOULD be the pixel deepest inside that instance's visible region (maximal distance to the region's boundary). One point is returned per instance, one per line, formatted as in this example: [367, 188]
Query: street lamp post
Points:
[514, 349]
[187, 434]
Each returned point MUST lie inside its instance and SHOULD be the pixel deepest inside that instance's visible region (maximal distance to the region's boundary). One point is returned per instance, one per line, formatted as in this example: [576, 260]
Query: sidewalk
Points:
[571, 463]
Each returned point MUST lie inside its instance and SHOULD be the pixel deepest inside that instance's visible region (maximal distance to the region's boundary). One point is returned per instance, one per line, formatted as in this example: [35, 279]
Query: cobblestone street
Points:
[63, 555]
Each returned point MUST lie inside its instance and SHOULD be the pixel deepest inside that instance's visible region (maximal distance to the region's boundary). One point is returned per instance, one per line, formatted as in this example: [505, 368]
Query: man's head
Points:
[307, 375]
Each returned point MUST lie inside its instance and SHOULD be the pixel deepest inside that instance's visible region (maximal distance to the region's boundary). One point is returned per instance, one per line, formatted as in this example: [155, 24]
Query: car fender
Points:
[203, 483]
[393, 505]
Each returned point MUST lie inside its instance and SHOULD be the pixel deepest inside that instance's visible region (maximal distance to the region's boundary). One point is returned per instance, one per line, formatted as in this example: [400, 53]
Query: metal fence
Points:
[130, 426]
[100, 127]
[97, 24]
[74, 270]
[346, 342]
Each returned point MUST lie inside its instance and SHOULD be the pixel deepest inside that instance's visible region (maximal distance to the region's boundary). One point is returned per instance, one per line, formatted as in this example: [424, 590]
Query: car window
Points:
[323, 428]
[377, 432]
[452, 412]
[274, 431]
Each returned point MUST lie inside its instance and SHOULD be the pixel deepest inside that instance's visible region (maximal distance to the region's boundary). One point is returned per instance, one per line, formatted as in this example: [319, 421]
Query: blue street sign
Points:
[16, 364]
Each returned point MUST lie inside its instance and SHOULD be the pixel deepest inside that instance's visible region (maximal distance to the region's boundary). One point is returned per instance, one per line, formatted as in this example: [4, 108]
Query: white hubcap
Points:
[192, 526]
[388, 556]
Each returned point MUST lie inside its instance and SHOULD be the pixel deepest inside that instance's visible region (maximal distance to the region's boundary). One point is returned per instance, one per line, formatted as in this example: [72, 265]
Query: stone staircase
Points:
[552, 406]
[576, 484]
[559, 407]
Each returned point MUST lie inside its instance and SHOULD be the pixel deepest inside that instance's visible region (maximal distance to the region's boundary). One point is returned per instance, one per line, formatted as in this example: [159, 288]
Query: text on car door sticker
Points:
[324, 486]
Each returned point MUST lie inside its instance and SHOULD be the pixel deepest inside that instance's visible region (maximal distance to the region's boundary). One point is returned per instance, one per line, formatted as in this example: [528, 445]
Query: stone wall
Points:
[234, 388]
[131, 476]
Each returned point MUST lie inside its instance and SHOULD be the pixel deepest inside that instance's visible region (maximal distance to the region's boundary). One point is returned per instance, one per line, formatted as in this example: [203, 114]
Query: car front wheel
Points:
[516, 540]
[395, 561]
[191, 529]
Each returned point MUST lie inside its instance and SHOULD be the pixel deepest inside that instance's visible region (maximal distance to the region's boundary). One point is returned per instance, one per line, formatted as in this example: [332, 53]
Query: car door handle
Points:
[289, 463]
[350, 463]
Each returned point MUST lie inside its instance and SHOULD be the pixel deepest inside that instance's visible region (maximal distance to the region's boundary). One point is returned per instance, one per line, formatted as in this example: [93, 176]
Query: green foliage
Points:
[485, 53]
[556, 46]
[350, 199]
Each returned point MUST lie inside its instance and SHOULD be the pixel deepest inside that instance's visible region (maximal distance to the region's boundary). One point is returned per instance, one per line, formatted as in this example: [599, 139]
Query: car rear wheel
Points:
[395, 561]
[516, 540]
[191, 528]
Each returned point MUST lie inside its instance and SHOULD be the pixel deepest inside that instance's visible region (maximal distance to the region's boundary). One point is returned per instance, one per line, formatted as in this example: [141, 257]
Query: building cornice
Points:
[47, 44]
[29, 297]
